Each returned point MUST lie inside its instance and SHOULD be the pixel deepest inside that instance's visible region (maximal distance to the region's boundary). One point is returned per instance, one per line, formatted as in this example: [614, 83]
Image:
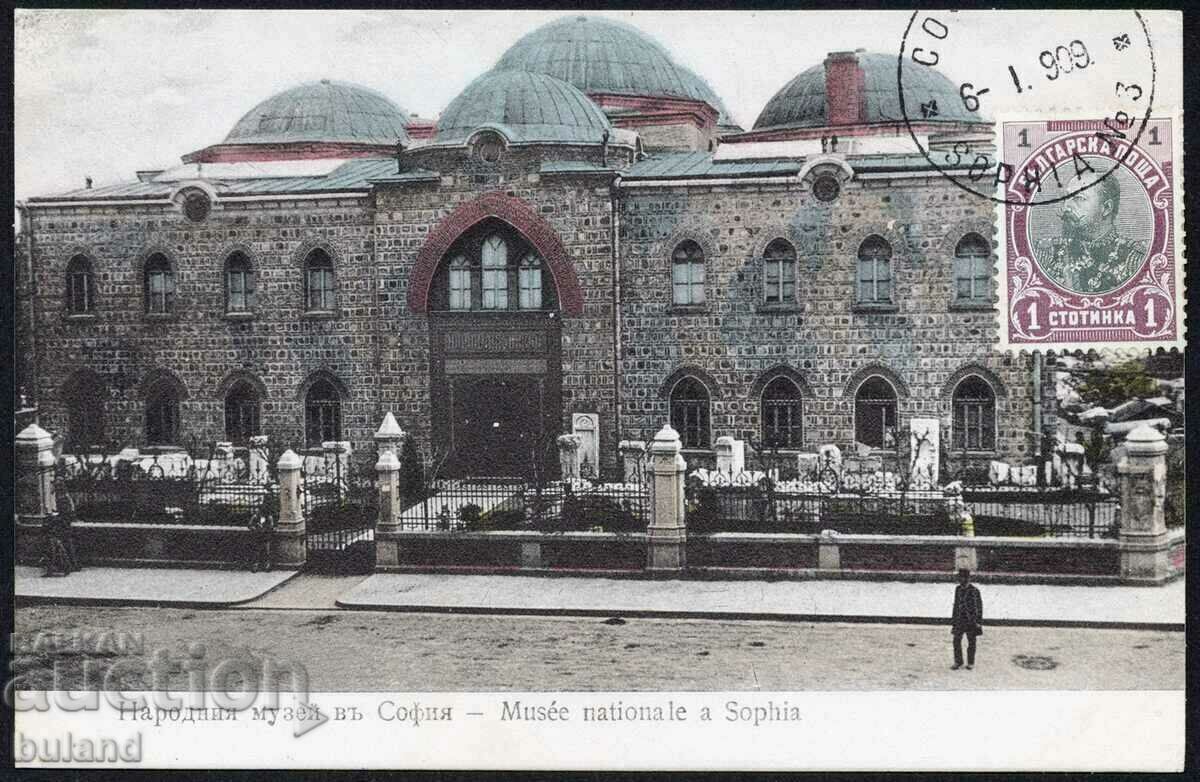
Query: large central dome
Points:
[324, 111]
[601, 55]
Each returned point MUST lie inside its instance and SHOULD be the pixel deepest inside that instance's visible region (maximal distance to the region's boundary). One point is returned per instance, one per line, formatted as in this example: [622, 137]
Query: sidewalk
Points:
[1159, 608]
[147, 586]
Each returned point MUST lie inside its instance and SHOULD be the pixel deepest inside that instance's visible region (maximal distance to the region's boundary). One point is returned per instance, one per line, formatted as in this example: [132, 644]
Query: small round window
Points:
[489, 148]
[196, 206]
[826, 187]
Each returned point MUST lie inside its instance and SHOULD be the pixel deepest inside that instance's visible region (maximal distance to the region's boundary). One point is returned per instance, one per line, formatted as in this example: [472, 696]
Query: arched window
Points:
[875, 271]
[529, 282]
[974, 415]
[689, 412]
[322, 414]
[241, 412]
[875, 413]
[973, 270]
[84, 397]
[460, 283]
[687, 273]
[239, 283]
[81, 286]
[318, 282]
[494, 255]
[779, 273]
[162, 415]
[492, 267]
[159, 285]
[782, 414]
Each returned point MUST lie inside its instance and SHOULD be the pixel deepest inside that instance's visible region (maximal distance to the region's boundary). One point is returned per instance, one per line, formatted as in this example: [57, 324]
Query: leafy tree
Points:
[1109, 388]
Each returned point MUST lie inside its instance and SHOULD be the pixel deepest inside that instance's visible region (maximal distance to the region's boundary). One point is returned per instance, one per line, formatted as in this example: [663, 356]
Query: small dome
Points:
[322, 111]
[602, 55]
[802, 102]
[526, 107]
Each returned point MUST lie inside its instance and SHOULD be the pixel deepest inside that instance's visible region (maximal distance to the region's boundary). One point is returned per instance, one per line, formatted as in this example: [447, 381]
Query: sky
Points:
[104, 93]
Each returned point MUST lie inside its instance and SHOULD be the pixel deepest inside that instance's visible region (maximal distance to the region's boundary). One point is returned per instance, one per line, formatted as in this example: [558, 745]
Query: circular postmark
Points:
[1112, 61]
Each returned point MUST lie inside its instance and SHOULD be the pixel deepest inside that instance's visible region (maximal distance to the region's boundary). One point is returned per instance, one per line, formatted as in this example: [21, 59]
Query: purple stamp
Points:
[1090, 235]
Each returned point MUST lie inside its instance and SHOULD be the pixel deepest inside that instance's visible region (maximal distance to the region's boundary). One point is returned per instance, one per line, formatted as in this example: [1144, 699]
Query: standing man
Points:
[968, 613]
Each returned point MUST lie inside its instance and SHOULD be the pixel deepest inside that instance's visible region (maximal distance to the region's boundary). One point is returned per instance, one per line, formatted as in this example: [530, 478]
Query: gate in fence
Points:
[340, 502]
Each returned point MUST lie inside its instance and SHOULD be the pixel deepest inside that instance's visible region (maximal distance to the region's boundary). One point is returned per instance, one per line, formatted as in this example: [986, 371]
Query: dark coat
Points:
[968, 610]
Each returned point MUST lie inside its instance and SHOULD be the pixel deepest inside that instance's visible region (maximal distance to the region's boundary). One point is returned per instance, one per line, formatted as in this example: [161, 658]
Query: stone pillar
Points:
[633, 461]
[35, 501]
[829, 557]
[387, 525]
[1143, 475]
[731, 455]
[667, 532]
[568, 456]
[257, 459]
[389, 435]
[288, 548]
[924, 453]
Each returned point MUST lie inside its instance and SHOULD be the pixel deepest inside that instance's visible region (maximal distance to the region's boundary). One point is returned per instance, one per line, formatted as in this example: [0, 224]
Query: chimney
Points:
[845, 89]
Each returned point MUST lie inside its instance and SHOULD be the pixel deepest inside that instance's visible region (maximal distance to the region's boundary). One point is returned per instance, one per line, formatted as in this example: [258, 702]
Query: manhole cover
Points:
[1034, 662]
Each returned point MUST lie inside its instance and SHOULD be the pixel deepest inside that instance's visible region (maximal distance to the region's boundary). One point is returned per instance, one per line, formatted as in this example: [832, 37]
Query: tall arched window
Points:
[973, 270]
[460, 283]
[81, 286]
[239, 283]
[974, 415]
[494, 255]
[689, 412]
[687, 274]
[875, 413]
[162, 415]
[318, 282]
[159, 285]
[782, 414]
[241, 412]
[529, 282]
[85, 395]
[875, 271]
[492, 267]
[779, 273]
[322, 414]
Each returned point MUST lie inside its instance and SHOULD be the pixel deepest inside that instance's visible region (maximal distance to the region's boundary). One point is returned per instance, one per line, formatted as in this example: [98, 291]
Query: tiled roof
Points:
[525, 107]
[322, 111]
[604, 55]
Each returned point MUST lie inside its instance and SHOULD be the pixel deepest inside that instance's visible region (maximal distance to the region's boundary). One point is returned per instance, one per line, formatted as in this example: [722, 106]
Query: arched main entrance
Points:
[495, 350]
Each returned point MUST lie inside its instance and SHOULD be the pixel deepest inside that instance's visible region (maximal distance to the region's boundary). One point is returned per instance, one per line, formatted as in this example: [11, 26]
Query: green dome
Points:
[322, 111]
[602, 55]
[801, 103]
[525, 107]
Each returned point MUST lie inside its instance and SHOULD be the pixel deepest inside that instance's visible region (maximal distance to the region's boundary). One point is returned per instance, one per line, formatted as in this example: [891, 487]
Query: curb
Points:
[754, 617]
[26, 600]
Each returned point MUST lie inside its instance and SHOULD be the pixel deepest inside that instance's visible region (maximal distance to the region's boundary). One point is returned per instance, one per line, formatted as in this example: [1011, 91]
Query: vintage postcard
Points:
[679, 390]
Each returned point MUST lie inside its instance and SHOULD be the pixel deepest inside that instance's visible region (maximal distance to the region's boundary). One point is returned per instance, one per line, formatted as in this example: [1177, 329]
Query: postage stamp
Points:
[1091, 226]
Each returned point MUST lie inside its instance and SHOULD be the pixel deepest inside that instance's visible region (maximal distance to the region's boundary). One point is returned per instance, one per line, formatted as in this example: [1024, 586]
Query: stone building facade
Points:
[559, 242]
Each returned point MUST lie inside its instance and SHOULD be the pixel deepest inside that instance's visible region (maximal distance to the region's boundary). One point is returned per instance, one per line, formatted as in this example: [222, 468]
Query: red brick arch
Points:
[520, 216]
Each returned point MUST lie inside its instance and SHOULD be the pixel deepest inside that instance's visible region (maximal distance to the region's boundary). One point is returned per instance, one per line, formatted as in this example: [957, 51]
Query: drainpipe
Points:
[1037, 414]
[615, 224]
[31, 291]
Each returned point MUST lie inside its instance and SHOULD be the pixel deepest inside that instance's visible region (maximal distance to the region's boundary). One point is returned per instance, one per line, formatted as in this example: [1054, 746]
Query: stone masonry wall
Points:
[926, 342]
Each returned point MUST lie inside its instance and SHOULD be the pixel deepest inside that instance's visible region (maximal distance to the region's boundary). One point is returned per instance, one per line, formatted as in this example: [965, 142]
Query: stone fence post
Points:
[287, 546]
[633, 461]
[1143, 475]
[387, 546]
[35, 502]
[389, 435]
[667, 532]
[568, 456]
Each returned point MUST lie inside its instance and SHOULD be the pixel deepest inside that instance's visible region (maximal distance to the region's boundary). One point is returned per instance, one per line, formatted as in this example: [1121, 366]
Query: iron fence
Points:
[1092, 512]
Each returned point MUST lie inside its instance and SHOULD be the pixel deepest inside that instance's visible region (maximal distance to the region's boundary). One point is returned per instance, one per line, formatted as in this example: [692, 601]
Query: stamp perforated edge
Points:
[1177, 239]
